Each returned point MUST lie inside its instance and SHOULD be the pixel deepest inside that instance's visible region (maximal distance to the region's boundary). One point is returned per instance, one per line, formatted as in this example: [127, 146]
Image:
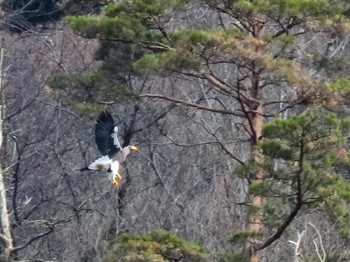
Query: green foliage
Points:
[111, 28]
[309, 135]
[88, 87]
[339, 90]
[141, 25]
[182, 56]
[87, 90]
[190, 37]
[86, 24]
[123, 31]
[243, 235]
[135, 42]
[311, 141]
[248, 170]
[262, 188]
[158, 246]
[315, 8]
[234, 257]
[167, 62]
[330, 65]
[276, 149]
[89, 109]
[336, 193]
[126, 21]
[140, 8]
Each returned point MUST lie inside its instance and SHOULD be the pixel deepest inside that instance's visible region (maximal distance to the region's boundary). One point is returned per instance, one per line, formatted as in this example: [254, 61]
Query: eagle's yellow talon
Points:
[119, 176]
[115, 182]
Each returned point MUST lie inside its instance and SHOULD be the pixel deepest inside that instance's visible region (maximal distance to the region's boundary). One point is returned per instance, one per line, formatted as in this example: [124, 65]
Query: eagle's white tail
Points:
[102, 163]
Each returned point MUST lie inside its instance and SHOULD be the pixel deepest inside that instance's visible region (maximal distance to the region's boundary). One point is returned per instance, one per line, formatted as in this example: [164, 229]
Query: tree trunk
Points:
[5, 235]
[254, 218]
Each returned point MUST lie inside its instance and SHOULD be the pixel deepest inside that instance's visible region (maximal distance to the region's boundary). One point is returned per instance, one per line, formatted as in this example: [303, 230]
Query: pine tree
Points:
[293, 158]
[158, 246]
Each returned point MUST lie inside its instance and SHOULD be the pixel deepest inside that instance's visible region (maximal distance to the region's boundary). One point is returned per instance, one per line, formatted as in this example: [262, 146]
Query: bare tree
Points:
[5, 235]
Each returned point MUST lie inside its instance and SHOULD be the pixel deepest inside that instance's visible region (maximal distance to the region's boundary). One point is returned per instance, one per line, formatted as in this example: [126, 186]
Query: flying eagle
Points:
[113, 155]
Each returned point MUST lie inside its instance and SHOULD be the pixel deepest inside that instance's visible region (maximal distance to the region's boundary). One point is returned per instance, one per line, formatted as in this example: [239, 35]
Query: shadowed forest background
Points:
[213, 161]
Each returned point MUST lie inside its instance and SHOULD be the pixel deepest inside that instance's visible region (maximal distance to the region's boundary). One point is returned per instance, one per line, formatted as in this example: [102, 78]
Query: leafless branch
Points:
[223, 146]
[15, 249]
[189, 104]
[21, 159]
[191, 145]
[50, 226]
[56, 106]
[297, 245]
[322, 257]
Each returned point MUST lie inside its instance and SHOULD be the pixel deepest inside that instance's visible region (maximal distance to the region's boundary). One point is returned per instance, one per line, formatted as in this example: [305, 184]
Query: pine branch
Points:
[282, 228]
[299, 201]
[228, 89]
[293, 21]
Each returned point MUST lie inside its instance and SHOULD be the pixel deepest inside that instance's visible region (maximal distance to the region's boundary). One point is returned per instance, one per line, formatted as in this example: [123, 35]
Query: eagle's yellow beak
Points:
[133, 148]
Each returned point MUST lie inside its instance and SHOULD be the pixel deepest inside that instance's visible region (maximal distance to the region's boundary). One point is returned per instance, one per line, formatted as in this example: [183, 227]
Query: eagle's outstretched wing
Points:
[103, 130]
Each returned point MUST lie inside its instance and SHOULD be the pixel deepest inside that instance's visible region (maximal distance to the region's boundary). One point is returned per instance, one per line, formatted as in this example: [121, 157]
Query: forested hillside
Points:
[239, 110]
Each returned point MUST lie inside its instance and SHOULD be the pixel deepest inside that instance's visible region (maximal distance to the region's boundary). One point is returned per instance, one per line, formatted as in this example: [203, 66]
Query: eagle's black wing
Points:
[103, 130]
